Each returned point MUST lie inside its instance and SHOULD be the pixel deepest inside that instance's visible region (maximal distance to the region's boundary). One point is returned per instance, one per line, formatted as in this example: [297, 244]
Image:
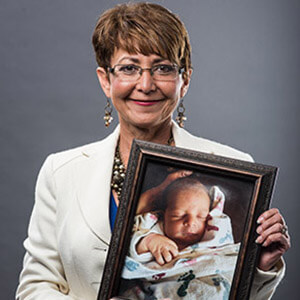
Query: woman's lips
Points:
[146, 102]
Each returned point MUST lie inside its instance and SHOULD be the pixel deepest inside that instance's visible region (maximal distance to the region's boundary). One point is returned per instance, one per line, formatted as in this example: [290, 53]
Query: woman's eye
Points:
[164, 69]
[128, 69]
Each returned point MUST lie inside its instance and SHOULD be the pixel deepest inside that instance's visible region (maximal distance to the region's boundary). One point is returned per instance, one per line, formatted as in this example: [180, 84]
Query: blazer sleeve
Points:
[265, 283]
[43, 276]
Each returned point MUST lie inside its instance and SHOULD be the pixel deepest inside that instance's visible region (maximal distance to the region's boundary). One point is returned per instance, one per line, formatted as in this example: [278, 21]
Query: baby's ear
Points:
[218, 198]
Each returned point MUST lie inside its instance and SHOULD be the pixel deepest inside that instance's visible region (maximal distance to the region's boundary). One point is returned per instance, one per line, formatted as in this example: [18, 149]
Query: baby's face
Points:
[185, 216]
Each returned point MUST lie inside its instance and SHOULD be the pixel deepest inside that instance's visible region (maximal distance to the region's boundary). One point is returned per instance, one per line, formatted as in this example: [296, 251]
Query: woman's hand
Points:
[273, 237]
[161, 247]
[147, 199]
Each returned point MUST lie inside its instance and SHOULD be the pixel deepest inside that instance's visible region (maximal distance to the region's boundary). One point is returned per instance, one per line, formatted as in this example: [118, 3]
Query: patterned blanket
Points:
[201, 271]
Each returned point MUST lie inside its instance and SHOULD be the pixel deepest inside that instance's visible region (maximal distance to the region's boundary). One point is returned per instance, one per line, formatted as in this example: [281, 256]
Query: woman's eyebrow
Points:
[136, 60]
[158, 60]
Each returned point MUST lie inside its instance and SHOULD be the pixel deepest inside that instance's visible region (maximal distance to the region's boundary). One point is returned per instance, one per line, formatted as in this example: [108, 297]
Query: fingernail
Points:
[258, 240]
[259, 230]
[259, 221]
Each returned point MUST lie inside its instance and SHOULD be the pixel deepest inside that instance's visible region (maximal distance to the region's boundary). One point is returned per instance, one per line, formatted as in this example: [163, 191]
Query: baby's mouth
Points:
[190, 233]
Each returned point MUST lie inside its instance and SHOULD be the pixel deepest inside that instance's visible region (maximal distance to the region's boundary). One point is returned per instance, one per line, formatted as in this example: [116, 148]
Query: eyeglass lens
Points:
[164, 72]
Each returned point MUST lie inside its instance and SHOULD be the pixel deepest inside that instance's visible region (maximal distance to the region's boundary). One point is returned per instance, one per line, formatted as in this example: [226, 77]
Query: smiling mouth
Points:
[146, 102]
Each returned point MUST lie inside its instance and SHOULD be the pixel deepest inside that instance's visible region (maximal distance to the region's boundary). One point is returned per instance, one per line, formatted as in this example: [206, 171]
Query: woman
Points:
[143, 52]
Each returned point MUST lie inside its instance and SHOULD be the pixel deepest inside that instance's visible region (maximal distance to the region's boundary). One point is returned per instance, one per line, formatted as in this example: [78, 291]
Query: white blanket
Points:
[201, 271]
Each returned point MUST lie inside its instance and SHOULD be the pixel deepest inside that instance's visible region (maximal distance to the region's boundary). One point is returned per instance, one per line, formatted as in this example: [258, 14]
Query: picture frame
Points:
[247, 189]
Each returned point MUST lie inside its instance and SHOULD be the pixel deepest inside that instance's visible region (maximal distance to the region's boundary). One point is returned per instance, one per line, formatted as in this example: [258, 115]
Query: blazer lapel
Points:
[93, 185]
[184, 139]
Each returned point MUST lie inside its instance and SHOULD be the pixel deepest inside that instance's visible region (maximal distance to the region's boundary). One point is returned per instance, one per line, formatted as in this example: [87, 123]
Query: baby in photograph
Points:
[185, 210]
[185, 248]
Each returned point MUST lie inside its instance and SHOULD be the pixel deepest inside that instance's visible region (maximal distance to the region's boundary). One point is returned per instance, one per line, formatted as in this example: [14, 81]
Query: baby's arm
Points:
[161, 247]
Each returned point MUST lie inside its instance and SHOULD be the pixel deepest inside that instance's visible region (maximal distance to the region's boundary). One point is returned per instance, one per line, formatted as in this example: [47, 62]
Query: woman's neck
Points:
[159, 134]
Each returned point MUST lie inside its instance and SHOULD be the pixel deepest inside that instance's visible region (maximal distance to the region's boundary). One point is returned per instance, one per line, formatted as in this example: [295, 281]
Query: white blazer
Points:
[69, 230]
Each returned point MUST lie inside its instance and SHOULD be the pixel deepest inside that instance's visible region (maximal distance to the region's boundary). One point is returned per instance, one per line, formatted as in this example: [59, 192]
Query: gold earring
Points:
[181, 118]
[108, 110]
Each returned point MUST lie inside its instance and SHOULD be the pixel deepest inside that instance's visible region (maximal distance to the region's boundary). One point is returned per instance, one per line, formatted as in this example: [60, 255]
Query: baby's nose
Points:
[191, 221]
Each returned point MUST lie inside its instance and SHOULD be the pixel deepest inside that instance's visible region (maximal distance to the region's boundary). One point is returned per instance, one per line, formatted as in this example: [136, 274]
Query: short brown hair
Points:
[145, 28]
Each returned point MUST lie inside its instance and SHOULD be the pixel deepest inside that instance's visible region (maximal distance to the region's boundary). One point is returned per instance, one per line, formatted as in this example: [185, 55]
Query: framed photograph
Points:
[186, 226]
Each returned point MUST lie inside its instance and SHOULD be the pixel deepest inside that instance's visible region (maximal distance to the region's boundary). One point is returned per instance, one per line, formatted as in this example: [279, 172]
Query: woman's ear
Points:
[186, 78]
[104, 81]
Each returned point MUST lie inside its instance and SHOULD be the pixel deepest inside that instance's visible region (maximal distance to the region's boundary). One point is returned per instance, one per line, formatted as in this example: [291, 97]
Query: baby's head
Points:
[186, 207]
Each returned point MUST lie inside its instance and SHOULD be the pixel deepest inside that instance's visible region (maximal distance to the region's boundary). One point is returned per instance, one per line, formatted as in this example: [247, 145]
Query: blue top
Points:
[113, 208]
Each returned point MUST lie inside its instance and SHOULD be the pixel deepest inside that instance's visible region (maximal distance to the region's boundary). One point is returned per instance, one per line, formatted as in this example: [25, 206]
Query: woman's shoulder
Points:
[84, 152]
[185, 139]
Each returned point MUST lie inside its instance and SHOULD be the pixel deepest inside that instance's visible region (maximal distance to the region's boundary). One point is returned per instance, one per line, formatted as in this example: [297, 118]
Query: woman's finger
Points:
[179, 174]
[185, 173]
[281, 240]
[270, 222]
[265, 233]
[267, 215]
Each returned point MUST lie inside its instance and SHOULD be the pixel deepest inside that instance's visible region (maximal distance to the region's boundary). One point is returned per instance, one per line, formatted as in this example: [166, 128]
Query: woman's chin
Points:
[144, 122]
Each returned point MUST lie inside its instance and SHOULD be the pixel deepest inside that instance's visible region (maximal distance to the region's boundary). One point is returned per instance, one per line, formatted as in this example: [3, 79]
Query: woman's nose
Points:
[146, 83]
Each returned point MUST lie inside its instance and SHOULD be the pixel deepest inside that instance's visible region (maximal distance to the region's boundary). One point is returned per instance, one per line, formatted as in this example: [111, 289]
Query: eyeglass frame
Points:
[141, 70]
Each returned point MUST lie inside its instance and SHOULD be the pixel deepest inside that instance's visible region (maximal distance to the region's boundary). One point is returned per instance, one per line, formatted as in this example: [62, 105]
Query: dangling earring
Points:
[181, 118]
[108, 110]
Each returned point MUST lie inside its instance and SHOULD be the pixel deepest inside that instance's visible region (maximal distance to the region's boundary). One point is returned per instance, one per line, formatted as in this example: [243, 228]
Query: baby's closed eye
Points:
[177, 217]
[202, 217]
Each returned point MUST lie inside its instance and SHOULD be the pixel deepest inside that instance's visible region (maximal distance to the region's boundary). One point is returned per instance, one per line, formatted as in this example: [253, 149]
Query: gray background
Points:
[244, 92]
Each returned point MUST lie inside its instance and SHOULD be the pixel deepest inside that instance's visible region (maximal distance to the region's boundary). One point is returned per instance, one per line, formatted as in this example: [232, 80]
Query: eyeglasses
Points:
[131, 72]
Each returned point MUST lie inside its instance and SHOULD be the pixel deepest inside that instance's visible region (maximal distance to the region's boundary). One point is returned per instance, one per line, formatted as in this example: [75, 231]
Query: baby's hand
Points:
[162, 248]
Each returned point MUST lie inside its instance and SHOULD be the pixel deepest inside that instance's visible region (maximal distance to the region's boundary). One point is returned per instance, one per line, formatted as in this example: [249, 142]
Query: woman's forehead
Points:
[121, 55]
